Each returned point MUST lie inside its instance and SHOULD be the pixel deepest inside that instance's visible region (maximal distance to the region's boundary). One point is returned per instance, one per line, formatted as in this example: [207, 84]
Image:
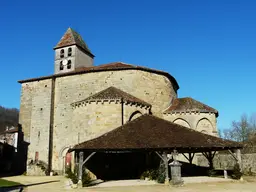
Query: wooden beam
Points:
[185, 156]
[159, 155]
[213, 154]
[88, 157]
[205, 154]
[232, 155]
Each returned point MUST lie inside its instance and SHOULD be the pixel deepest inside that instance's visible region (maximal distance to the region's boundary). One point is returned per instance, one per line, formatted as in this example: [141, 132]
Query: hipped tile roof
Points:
[189, 104]
[148, 132]
[116, 66]
[114, 93]
[71, 37]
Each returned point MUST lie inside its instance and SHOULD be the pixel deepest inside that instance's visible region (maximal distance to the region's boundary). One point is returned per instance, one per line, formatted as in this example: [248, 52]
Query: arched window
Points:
[181, 122]
[61, 53]
[135, 115]
[69, 51]
[204, 125]
[61, 65]
[69, 64]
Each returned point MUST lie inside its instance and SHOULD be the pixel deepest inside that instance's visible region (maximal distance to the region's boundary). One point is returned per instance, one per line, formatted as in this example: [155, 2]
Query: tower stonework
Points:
[71, 53]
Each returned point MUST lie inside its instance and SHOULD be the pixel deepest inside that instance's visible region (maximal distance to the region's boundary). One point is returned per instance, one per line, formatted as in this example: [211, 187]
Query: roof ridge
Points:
[118, 94]
[114, 66]
[189, 104]
[71, 37]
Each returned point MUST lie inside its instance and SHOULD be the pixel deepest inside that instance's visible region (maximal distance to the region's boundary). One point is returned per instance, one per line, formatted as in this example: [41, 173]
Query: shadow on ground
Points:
[21, 188]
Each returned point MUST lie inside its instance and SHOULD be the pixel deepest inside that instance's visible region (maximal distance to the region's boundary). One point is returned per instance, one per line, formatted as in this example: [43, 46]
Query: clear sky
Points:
[208, 46]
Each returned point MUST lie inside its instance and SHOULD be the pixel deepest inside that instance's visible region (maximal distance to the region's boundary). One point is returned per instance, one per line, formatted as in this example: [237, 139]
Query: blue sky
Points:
[208, 46]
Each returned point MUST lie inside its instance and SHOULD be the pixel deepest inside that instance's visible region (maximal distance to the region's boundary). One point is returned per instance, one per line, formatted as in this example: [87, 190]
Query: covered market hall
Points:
[139, 145]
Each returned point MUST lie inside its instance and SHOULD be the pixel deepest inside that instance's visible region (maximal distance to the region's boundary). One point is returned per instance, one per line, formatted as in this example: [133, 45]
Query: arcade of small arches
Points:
[203, 125]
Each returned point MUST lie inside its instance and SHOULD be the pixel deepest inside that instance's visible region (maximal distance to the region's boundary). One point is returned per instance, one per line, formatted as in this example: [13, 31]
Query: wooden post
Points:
[73, 161]
[165, 159]
[209, 155]
[191, 157]
[80, 169]
[239, 159]
[210, 159]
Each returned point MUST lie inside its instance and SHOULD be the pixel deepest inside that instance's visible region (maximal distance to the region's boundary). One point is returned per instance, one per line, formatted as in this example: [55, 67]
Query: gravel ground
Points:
[57, 184]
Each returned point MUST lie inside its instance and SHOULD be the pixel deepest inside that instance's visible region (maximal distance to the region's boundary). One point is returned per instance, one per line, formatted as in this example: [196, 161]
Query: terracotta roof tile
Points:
[116, 66]
[148, 132]
[71, 37]
[14, 130]
[188, 104]
[114, 93]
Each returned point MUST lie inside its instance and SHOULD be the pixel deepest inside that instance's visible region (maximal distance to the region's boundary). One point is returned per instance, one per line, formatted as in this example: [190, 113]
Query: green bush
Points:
[86, 179]
[155, 174]
[237, 174]
[150, 174]
[72, 175]
[212, 173]
[161, 173]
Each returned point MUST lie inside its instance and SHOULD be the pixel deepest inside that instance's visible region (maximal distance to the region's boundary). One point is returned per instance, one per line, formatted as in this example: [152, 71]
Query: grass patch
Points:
[6, 183]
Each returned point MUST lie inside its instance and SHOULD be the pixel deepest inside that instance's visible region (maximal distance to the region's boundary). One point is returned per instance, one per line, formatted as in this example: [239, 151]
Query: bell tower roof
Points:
[71, 37]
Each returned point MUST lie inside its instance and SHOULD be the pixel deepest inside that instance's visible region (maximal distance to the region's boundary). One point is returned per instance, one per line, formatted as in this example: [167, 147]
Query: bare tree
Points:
[220, 133]
[241, 130]
[253, 121]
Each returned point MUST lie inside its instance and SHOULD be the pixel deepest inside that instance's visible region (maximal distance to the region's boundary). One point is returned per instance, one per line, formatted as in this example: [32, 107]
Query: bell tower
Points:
[71, 53]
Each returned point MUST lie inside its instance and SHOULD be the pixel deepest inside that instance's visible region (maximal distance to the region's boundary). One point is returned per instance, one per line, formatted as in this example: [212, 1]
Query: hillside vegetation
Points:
[8, 117]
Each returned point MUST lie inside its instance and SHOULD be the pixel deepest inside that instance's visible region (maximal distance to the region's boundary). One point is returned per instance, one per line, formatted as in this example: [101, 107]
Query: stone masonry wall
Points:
[27, 90]
[94, 119]
[134, 110]
[222, 161]
[35, 117]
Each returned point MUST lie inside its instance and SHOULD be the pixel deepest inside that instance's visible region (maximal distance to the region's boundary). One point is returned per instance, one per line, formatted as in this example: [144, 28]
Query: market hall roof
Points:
[188, 104]
[116, 66]
[71, 37]
[150, 133]
[115, 94]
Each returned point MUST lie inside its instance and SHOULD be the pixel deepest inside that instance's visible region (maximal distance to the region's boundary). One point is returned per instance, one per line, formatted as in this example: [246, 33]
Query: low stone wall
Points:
[222, 161]
[37, 168]
[34, 170]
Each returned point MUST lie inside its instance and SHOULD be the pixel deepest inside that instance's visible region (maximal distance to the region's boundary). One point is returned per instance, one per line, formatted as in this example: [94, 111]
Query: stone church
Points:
[81, 101]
